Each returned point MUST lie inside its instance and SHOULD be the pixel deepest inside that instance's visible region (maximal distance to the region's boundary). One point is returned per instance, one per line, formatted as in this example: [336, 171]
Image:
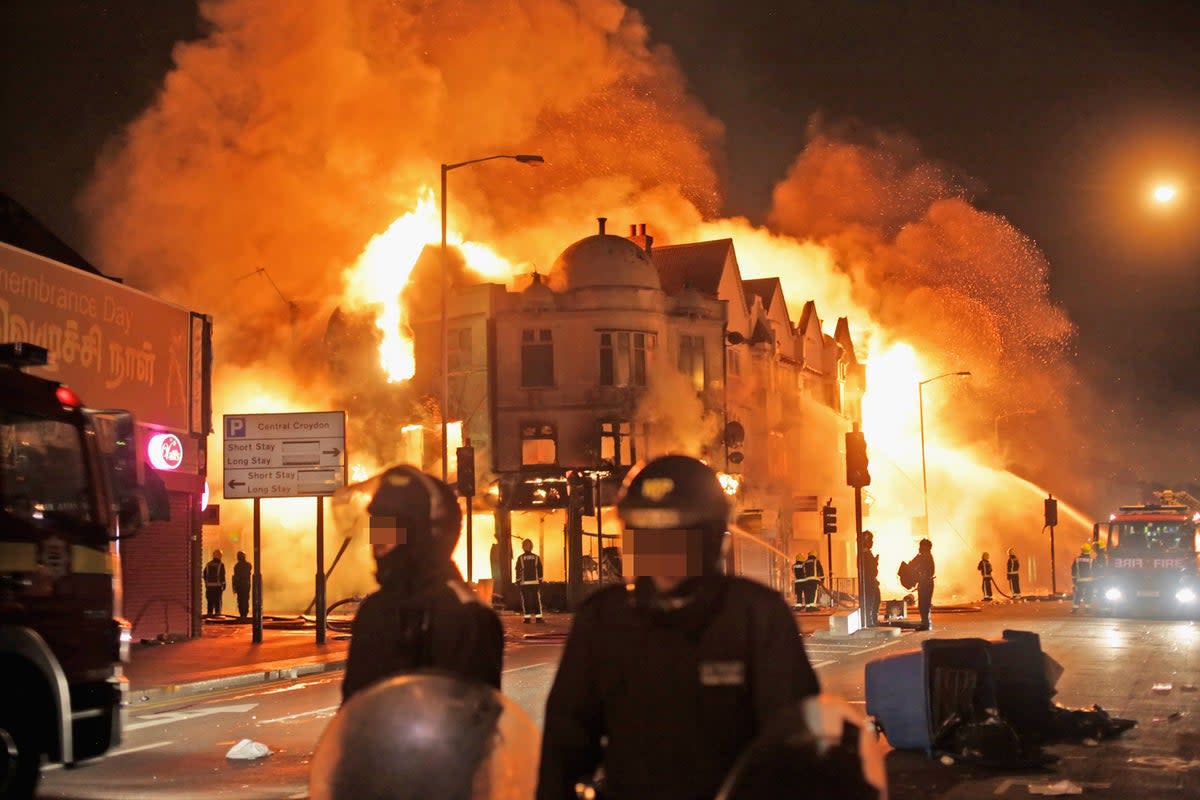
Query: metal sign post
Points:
[285, 455]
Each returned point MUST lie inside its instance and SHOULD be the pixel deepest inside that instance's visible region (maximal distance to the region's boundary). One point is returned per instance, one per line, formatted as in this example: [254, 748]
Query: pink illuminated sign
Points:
[165, 451]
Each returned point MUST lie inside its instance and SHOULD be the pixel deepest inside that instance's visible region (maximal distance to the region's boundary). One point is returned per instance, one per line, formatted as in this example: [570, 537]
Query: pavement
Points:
[225, 657]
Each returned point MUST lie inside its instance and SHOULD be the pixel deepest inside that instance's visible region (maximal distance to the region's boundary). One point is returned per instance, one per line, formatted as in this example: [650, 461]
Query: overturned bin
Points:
[918, 698]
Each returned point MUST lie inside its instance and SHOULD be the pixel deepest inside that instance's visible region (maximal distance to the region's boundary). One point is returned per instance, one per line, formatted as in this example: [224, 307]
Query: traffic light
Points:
[466, 471]
[1051, 512]
[829, 519]
[580, 488]
[856, 460]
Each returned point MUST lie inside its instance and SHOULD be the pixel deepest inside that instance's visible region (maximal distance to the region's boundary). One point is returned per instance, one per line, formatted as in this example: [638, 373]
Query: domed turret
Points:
[537, 295]
[604, 261]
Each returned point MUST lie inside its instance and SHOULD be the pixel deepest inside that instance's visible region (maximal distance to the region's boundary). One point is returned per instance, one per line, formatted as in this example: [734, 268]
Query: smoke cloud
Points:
[291, 134]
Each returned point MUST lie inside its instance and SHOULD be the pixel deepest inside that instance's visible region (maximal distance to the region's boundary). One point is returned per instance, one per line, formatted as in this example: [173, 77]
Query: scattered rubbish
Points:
[248, 750]
[947, 760]
[1094, 723]
[1090, 742]
[1174, 715]
[1187, 687]
[1056, 788]
[1168, 763]
[1161, 688]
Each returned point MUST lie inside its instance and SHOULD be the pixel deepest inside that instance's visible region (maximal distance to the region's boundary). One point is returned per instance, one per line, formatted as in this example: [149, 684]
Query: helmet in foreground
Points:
[675, 516]
[426, 736]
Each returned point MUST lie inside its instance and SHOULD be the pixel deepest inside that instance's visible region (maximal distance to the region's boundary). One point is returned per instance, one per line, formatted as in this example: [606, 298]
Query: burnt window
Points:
[537, 357]
[539, 444]
[623, 357]
[623, 442]
[458, 345]
[691, 360]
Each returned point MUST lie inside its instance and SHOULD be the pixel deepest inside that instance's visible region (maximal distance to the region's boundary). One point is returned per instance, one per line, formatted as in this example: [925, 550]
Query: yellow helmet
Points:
[985, 556]
[811, 554]
[1098, 544]
[799, 556]
[1012, 551]
[1086, 549]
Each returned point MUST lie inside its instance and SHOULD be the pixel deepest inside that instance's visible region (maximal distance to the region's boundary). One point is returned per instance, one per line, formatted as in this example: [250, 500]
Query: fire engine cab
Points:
[69, 491]
[1151, 563]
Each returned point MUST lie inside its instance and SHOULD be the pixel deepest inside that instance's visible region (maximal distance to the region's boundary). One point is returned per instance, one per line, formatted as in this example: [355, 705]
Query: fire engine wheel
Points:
[20, 756]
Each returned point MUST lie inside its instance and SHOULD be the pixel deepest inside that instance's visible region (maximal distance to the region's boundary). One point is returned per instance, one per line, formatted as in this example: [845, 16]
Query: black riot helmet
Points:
[675, 516]
[414, 517]
[426, 736]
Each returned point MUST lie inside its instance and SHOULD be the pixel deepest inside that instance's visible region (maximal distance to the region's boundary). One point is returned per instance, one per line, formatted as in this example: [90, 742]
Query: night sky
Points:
[1056, 115]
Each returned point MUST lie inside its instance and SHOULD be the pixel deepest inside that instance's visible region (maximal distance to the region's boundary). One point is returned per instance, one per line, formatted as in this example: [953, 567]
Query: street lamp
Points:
[921, 409]
[445, 399]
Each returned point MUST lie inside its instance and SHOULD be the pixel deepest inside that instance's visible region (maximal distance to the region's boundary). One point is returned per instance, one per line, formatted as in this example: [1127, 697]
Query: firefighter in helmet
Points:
[423, 616]
[1082, 576]
[985, 571]
[808, 575]
[429, 735]
[528, 570]
[1012, 568]
[684, 659]
[214, 583]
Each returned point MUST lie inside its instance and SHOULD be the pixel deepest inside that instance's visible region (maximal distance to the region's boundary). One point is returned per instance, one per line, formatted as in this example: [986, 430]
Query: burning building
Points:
[625, 351]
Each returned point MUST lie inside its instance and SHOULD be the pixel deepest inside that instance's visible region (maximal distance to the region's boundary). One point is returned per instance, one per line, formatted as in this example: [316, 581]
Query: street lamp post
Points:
[445, 398]
[921, 410]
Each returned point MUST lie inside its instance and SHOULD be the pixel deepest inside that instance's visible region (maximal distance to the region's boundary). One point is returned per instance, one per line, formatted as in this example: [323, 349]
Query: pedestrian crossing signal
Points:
[856, 460]
[829, 519]
[1051, 512]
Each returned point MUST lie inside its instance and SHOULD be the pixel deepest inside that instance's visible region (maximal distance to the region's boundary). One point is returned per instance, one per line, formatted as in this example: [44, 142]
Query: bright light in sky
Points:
[1164, 193]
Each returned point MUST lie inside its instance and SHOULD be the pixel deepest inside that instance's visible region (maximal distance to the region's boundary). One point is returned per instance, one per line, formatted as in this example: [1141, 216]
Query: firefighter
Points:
[214, 583]
[1081, 575]
[1099, 558]
[870, 579]
[528, 569]
[924, 571]
[241, 584]
[808, 579]
[1012, 568]
[985, 570]
[797, 580]
[423, 616]
[664, 681]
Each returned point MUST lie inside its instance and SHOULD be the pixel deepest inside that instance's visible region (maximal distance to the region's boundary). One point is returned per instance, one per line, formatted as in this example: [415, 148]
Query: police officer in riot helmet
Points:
[423, 616]
[665, 680]
[426, 736]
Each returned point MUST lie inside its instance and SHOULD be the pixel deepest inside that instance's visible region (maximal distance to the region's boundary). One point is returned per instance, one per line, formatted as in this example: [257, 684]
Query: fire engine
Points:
[1151, 562]
[69, 491]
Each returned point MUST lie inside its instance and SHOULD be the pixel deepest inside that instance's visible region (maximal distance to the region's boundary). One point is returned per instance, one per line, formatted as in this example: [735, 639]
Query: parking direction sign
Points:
[284, 455]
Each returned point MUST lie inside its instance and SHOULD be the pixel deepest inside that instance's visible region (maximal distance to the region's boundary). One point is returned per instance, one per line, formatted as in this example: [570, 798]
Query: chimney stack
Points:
[637, 235]
[601, 220]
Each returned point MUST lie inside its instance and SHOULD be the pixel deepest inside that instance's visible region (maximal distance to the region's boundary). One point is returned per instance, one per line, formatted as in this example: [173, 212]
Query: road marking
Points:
[300, 714]
[1004, 786]
[167, 717]
[824, 663]
[528, 666]
[122, 752]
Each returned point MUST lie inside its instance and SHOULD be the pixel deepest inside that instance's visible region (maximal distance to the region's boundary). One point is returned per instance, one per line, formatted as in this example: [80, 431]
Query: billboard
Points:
[115, 346]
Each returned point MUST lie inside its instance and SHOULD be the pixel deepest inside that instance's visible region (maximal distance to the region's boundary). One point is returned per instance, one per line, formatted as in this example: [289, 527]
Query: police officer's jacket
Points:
[528, 568]
[436, 623]
[923, 568]
[678, 693]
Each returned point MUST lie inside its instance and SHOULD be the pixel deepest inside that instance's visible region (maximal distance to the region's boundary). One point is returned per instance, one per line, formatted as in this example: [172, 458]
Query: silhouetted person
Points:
[808, 575]
[241, 584]
[1081, 576]
[870, 579]
[985, 572]
[423, 617]
[923, 569]
[528, 570]
[1012, 568]
[214, 583]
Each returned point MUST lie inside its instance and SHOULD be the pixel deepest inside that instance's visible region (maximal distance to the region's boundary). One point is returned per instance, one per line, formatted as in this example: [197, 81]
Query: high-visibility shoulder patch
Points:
[657, 488]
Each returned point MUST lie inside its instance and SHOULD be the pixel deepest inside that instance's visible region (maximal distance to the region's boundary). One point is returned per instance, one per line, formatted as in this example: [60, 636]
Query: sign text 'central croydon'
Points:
[284, 426]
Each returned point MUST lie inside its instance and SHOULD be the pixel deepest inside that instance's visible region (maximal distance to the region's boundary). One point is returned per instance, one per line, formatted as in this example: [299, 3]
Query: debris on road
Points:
[1055, 788]
[1187, 687]
[248, 750]
[1161, 688]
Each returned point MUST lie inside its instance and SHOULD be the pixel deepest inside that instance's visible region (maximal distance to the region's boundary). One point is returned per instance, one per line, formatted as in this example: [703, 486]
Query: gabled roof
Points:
[698, 265]
[807, 317]
[21, 229]
[763, 288]
[841, 333]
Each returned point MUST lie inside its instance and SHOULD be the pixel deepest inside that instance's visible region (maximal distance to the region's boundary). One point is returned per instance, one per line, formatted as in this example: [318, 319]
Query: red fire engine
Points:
[1151, 563]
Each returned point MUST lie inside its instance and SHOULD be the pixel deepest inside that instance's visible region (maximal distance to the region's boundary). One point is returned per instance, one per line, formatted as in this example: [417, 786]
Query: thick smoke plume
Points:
[293, 133]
